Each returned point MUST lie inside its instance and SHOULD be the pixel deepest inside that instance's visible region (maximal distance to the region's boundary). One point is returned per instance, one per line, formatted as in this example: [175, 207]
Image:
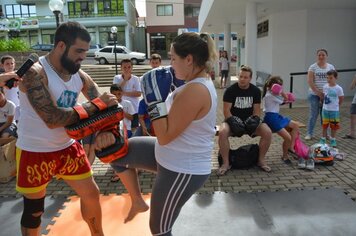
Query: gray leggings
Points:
[171, 190]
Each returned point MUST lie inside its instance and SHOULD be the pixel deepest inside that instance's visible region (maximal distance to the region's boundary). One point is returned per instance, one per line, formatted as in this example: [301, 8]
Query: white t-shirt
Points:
[272, 102]
[13, 95]
[331, 97]
[7, 110]
[224, 63]
[129, 109]
[133, 84]
[354, 99]
[320, 75]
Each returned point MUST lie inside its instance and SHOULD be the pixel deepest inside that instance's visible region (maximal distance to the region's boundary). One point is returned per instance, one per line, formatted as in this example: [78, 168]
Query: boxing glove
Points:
[251, 124]
[276, 89]
[236, 125]
[290, 98]
[156, 86]
[176, 82]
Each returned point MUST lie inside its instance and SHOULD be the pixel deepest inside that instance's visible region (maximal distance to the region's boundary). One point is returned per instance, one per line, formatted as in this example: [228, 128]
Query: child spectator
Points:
[145, 127]
[155, 60]
[352, 134]
[126, 106]
[128, 116]
[131, 88]
[333, 97]
[7, 111]
[224, 68]
[8, 63]
[273, 97]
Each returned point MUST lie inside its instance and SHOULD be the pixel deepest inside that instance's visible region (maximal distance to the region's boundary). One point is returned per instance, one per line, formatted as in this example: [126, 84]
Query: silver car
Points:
[107, 55]
[93, 49]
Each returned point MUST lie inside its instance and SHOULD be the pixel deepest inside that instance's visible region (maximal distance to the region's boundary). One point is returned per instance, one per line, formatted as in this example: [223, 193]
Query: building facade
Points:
[33, 21]
[282, 37]
[165, 19]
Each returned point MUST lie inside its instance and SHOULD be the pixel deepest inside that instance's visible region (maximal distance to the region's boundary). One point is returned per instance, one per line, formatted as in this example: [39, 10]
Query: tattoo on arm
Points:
[90, 89]
[41, 100]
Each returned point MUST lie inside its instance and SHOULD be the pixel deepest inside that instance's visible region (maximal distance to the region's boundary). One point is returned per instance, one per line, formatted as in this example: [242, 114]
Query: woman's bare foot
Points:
[136, 208]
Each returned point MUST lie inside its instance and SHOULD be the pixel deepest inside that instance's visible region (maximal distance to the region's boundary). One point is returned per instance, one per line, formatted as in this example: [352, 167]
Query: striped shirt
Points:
[319, 75]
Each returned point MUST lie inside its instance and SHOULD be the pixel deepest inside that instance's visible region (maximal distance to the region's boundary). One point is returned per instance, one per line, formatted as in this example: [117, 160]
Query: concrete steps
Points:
[103, 75]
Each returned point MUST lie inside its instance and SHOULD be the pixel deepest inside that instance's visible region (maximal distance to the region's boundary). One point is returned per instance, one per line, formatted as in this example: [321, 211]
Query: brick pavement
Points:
[282, 178]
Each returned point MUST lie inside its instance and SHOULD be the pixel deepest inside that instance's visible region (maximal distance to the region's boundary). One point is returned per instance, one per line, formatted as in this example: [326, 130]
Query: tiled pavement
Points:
[282, 178]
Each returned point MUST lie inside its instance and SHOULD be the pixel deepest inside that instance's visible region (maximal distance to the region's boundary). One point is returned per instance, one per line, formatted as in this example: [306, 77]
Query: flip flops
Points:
[222, 170]
[347, 136]
[265, 168]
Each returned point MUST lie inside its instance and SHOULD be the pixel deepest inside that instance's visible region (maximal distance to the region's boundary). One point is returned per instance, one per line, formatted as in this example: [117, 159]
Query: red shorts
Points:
[36, 169]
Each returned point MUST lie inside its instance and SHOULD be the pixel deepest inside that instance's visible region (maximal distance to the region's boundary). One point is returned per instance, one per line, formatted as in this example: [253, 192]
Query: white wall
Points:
[288, 37]
[264, 47]
[335, 31]
[294, 37]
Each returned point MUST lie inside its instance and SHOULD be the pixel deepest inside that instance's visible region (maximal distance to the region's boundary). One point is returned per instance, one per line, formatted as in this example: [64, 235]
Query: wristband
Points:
[99, 104]
[82, 113]
[157, 111]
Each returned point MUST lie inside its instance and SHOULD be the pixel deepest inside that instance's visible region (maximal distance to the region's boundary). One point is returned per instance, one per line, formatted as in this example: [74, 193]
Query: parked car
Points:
[43, 47]
[93, 49]
[107, 55]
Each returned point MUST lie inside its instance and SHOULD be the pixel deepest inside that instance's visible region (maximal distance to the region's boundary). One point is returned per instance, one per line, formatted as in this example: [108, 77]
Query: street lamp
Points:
[114, 33]
[56, 7]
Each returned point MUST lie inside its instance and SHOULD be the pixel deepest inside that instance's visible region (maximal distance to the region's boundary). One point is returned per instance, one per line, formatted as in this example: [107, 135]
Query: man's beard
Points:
[68, 64]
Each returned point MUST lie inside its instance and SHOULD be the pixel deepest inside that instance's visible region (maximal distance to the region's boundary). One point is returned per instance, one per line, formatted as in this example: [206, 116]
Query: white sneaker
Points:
[310, 164]
[301, 163]
[308, 137]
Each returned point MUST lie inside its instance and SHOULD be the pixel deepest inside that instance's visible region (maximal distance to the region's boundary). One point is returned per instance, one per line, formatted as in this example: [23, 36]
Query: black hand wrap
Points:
[118, 149]
[236, 125]
[251, 124]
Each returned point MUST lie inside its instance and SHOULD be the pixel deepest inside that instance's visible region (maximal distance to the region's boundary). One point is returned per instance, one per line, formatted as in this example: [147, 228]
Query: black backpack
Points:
[244, 157]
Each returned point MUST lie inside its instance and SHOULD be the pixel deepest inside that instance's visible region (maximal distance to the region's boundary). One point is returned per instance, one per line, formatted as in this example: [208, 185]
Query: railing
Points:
[305, 73]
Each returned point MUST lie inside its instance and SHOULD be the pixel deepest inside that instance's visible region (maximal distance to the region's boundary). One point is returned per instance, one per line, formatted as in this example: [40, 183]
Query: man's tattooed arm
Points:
[42, 101]
[90, 88]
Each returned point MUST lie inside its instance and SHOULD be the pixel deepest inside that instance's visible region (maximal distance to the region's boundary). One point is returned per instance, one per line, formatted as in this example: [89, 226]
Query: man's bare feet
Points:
[136, 208]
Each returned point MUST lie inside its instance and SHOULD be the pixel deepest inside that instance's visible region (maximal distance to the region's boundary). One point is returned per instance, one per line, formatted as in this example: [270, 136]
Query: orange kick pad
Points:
[114, 210]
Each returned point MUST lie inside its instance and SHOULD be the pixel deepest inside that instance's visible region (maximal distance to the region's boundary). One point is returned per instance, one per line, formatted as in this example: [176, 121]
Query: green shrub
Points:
[14, 45]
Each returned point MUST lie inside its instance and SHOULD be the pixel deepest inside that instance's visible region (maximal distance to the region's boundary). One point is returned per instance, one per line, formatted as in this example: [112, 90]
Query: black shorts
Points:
[224, 73]
[12, 129]
[134, 122]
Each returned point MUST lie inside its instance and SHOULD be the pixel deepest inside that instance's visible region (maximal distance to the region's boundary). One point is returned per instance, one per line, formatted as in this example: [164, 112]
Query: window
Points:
[80, 9]
[262, 29]
[120, 50]
[23, 11]
[191, 11]
[165, 10]
[111, 7]
[84, 6]
[108, 50]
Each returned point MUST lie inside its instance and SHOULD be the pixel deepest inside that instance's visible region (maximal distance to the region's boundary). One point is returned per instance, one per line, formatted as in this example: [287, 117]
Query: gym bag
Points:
[243, 157]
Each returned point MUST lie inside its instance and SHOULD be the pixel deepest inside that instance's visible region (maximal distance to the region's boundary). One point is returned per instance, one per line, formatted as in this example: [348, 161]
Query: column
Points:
[227, 47]
[216, 66]
[251, 37]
